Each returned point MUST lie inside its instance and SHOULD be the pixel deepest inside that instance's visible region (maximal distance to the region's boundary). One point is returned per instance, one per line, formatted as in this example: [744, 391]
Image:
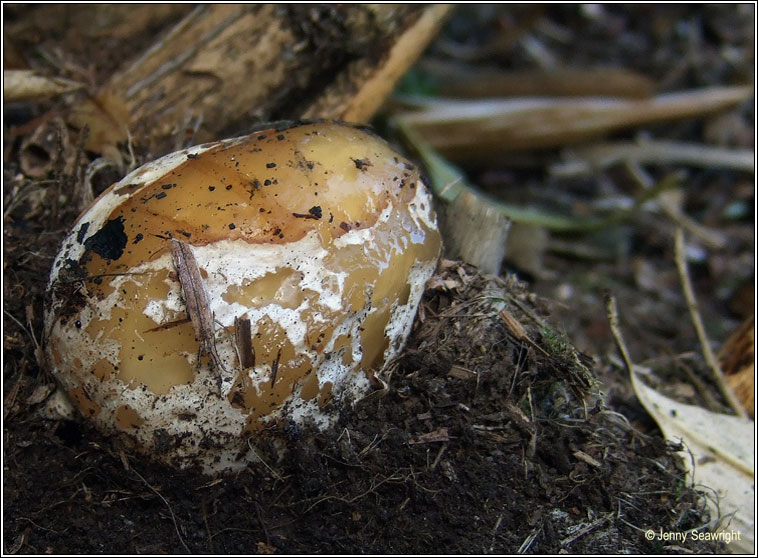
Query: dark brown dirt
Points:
[480, 444]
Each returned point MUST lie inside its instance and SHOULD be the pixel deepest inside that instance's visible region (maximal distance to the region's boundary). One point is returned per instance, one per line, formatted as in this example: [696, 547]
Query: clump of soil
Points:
[488, 438]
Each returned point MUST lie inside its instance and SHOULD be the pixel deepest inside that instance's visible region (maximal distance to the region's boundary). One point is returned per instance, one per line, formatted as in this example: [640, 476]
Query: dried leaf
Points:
[737, 358]
[40, 393]
[722, 449]
[106, 116]
[478, 130]
[29, 85]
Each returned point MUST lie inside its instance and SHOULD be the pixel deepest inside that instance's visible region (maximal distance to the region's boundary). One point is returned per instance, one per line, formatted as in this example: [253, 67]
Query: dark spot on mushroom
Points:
[270, 165]
[262, 137]
[82, 232]
[160, 195]
[361, 164]
[193, 156]
[109, 242]
[229, 187]
[78, 324]
[167, 186]
[344, 226]
[267, 182]
[232, 226]
[313, 213]
[137, 238]
[211, 188]
[141, 357]
[280, 137]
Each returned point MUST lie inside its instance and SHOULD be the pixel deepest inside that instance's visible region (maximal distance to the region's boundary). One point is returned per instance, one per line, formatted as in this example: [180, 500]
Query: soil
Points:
[494, 434]
[479, 444]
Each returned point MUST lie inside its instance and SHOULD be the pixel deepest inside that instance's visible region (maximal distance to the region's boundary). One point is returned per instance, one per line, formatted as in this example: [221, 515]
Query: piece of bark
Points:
[223, 68]
[373, 83]
[84, 41]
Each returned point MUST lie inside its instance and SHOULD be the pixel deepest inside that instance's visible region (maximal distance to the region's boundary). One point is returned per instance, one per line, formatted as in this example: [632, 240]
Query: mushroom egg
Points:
[239, 286]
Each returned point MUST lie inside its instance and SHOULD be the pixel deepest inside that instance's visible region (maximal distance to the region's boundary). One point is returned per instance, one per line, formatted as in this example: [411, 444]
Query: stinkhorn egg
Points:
[239, 286]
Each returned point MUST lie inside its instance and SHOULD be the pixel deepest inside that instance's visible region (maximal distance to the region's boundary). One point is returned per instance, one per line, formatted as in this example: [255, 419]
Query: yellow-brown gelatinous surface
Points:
[318, 234]
[85, 404]
[149, 356]
[281, 287]
[127, 418]
[250, 191]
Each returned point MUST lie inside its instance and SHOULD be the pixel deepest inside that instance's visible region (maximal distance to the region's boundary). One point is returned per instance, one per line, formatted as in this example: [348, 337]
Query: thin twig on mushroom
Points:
[195, 298]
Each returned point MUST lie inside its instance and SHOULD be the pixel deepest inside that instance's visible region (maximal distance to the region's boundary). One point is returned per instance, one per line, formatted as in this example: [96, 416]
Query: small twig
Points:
[529, 541]
[586, 529]
[262, 523]
[363, 494]
[613, 320]
[689, 295]
[661, 193]
[494, 532]
[130, 148]
[515, 328]
[271, 470]
[171, 511]
[604, 155]
[195, 298]
[439, 456]
[208, 527]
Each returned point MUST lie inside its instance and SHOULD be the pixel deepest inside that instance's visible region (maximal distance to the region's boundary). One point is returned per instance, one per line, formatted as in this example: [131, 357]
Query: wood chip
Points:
[461, 373]
[244, 342]
[513, 326]
[589, 460]
[439, 435]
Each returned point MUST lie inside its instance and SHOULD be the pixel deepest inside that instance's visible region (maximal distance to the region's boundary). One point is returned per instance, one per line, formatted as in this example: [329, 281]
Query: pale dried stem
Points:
[689, 295]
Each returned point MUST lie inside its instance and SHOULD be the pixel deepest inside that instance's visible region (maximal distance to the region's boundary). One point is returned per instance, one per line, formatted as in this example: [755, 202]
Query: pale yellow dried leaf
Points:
[722, 458]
